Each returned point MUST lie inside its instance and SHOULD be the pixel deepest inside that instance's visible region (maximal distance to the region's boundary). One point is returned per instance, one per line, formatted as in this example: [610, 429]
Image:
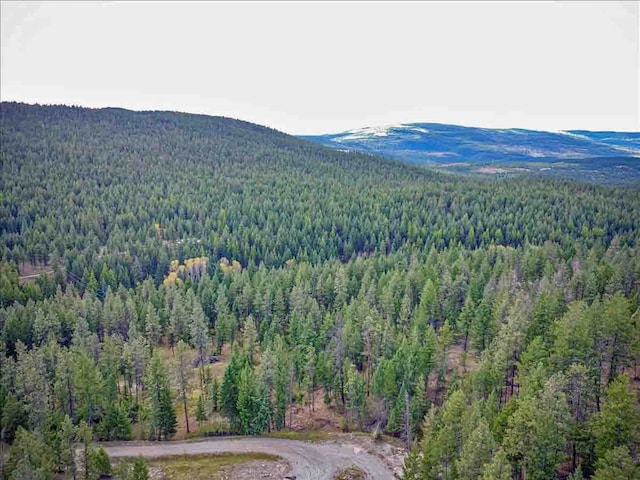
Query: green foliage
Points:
[617, 463]
[116, 424]
[140, 469]
[163, 422]
[477, 451]
[618, 422]
[498, 468]
[131, 469]
[66, 441]
[229, 389]
[13, 416]
[487, 323]
[99, 464]
[167, 422]
[30, 457]
[577, 474]
[201, 413]
[356, 396]
[249, 178]
[252, 404]
[537, 431]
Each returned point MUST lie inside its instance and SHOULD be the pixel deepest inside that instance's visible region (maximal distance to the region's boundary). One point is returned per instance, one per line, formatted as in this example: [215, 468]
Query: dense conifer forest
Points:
[162, 272]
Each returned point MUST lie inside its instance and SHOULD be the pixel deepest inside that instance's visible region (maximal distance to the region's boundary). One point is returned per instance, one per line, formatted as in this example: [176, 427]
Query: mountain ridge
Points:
[599, 157]
[433, 142]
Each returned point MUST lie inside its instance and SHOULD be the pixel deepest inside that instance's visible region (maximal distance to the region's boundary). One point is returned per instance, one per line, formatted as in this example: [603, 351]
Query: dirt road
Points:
[309, 461]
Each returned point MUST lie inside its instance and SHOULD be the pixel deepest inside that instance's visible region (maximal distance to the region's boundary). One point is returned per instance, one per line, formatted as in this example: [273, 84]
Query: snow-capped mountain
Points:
[439, 143]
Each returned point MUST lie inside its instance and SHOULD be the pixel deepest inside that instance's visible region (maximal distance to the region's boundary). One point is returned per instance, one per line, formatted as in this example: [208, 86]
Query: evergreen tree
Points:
[201, 413]
[498, 468]
[618, 422]
[162, 421]
[199, 333]
[536, 437]
[140, 470]
[617, 463]
[476, 453]
[229, 389]
[99, 464]
[30, 457]
[67, 441]
[252, 404]
[356, 396]
[182, 371]
[116, 424]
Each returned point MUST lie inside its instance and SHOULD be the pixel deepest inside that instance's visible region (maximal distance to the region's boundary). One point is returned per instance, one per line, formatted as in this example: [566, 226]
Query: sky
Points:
[320, 67]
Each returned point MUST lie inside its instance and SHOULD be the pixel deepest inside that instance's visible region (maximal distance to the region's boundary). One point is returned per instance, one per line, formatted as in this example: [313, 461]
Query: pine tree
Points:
[199, 333]
[67, 441]
[419, 406]
[99, 464]
[85, 436]
[281, 398]
[252, 404]
[465, 321]
[618, 422]
[166, 415]
[499, 468]
[538, 430]
[182, 371]
[179, 321]
[617, 464]
[428, 304]
[476, 452]
[310, 376]
[577, 474]
[213, 390]
[250, 337]
[30, 457]
[136, 469]
[140, 470]
[482, 328]
[201, 413]
[153, 330]
[162, 417]
[88, 386]
[356, 396]
[228, 400]
[116, 424]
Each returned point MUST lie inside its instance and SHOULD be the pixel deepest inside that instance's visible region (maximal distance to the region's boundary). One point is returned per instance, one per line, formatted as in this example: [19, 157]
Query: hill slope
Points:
[107, 181]
[612, 156]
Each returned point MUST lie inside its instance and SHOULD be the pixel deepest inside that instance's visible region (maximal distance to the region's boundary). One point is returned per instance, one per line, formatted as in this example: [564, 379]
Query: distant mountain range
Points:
[604, 157]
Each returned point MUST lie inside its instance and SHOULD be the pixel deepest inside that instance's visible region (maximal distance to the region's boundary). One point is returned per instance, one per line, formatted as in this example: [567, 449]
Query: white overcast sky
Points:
[308, 68]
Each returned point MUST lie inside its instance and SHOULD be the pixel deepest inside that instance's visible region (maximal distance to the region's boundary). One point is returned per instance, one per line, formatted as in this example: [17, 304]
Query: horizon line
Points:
[328, 133]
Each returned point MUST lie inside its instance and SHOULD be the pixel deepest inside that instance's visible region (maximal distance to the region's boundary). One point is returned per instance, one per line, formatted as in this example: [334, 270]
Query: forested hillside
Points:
[162, 271]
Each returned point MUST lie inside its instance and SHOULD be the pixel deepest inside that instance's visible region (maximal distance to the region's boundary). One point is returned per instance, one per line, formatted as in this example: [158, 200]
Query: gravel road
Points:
[309, 461]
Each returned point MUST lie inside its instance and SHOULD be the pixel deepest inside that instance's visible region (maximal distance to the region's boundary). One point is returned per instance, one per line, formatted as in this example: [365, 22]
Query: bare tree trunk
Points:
[290, 395]
[71, 412]
[201, 370]
[407, 418]
[186, 412]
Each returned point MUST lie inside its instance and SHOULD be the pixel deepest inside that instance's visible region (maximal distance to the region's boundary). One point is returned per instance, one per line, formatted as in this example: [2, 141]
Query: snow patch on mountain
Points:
[366, 132]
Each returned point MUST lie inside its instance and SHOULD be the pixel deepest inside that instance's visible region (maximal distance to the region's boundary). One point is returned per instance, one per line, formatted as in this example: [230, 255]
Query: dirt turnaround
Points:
[309, 461]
